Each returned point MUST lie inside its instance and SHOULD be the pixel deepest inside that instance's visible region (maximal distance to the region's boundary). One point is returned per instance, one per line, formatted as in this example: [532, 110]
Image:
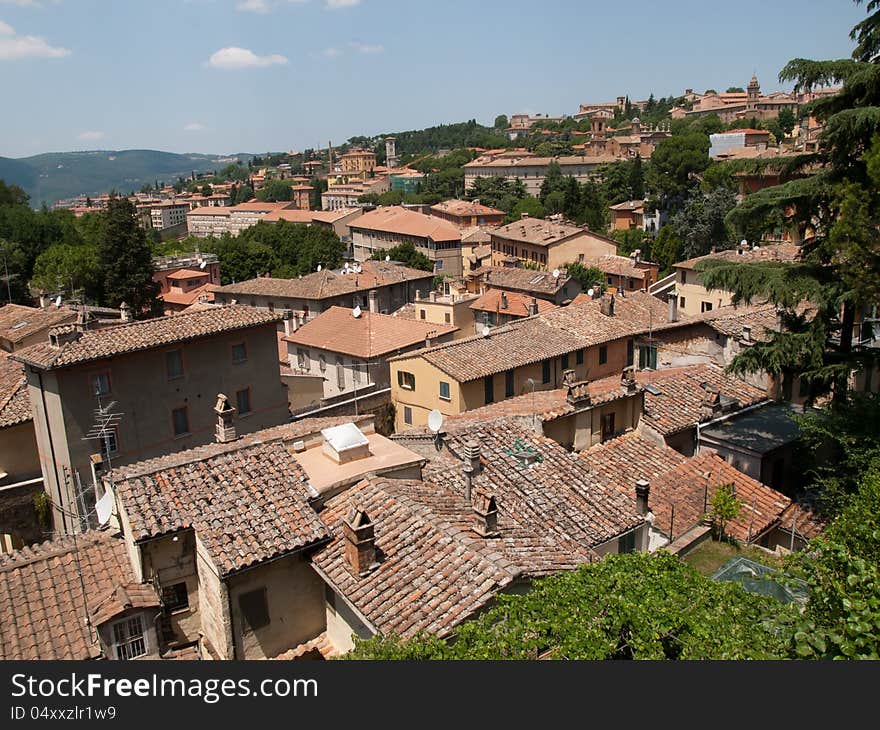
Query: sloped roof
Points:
[511, 302]
[525, 280]
[396, 219]
[18, 322]
[15, 404]
[782, 252]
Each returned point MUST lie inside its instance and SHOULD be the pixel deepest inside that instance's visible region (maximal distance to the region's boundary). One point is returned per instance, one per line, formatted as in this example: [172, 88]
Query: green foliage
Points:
[74, 268]
[701, 223]
[676, 162]
[275, 190]
[241, 194]
[497, 192]
[725, 506]
[529, 205]
[589, 277]
[125, 258]
[735, 90]
[443, 136]
[666, 249]
[406, 254]
[12, 195]
[42, 510]
[501, 122]
[629, 606]
[630, 239]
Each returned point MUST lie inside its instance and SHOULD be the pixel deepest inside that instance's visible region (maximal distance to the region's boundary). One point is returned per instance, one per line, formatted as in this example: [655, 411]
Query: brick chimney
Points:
[359, 536]
[711, 405]
[628, 379]
[43, 302]
[485, 522]
[289, 322]
[578, 393]
[642, 492]
[523, 216]
[472, 465]
[672, 306]
[606, 306]
[225, 431]
[533, 307]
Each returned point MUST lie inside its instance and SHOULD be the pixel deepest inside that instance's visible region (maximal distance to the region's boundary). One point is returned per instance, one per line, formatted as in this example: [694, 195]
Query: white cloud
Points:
[14, 46]
[193, 127]
[331, 52]
[91, 136]
[339, 4]
[235, 58]
[254, 6]
[367, 47]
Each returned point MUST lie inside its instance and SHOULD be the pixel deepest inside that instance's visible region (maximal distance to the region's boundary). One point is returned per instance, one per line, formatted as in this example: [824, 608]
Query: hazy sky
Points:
[223, 76]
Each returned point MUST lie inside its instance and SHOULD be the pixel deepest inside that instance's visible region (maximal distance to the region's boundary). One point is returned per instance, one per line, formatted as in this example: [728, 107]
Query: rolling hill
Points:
[55, 176]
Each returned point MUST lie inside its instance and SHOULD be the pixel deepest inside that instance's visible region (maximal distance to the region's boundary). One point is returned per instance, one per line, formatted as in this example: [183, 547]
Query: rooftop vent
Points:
[345, 443]
[485, 514]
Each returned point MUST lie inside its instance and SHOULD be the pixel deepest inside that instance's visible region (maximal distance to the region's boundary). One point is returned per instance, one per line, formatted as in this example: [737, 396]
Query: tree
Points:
[407, 255]
[676, 162]
[501, 122]
[653, 606]
[636, 179]
[274, 191]
[701, 223]
[726, 506]
[12, 195]
[786, 121]
[125, 259]
[206, 190]
[735, 90]
[242, 194]
[666, 249]
[69, 268]
[497, 192]
[528, 205]
[589, 277]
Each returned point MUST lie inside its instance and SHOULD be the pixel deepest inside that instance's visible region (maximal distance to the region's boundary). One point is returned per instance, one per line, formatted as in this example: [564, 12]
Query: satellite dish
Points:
[485, 332]
[387, 257]
[319, 267]
[203, 264]
[58, 301]
[744, 242]
[555, 273]
[589, 292]
[357, 312]
[104, 507]
[358, 269]
[435, 420]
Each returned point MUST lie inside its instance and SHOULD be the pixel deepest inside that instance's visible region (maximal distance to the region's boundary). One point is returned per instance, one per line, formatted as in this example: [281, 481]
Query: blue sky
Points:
[223, 76]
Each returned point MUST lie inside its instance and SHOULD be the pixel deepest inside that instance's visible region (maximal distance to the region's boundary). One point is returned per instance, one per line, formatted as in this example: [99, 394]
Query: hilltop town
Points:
[347, 401]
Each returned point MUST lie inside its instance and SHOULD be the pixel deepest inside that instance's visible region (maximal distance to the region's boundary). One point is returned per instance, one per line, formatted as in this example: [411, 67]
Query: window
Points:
[684, 277]
[128, 638]
[407, 415]
[565, 361]
[180, 421]
[243, 401]
[631, 283]
[508, 384]
[101, 384]
[603, 354]
[706, 307]
[322, 363]
[302, 358]
[254, 609]
[340, 373]
[174, 364]
[608, 280]
[545, 371]
[421, 314]
[356, 372]
[489, 389]
[447, 318]
[579, 357]
[629, 353]
[271, 306]
[175, 597]
[607, 426]
[444, 390]
[681, 301]
[239, 352]
[647, 357]
[580, 258]
[627, 543]
[438, 264]
[406, 380]
[110, 442]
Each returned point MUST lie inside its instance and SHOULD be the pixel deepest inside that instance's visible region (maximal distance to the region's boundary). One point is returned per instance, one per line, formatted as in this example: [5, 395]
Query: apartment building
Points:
[531, 169]
[546, 244]
[467, 213]
[544, 285]
[627, 273]
[161, 377]
[215, 221]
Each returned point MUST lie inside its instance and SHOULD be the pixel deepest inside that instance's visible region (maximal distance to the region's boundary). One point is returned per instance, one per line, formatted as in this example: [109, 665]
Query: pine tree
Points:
[125, 258]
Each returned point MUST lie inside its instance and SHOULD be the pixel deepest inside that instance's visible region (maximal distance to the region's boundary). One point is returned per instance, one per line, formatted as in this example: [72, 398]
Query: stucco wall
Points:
[175, 562]
[19, 457]
[342, 622]
[213, 605]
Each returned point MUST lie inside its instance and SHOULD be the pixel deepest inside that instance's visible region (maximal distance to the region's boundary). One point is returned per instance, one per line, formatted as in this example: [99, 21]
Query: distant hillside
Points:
[55, 176]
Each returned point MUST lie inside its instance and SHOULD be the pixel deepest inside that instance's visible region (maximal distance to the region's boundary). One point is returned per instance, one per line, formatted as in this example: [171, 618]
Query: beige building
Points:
[559, 290]
[694, 298]
[546, 244]
[379, 286]
[161, 376]
[391, 226]
[581, 342]
[467, 213]
[358, 161]
[215, 221]
[451, 309]
[531, 169]
[22, 326]
[627, 273]
[350, 348]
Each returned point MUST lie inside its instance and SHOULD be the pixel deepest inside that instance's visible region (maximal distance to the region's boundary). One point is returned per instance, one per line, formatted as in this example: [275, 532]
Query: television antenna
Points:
[319, 267]
[58, 301]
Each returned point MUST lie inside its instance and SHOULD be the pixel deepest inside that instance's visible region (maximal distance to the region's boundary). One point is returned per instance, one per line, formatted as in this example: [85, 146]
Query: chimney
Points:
[359, 536]
[642, 492]
[418, 294]
[711, 405]
[124, 312]
[628, 380]
[433, 295]
[372, 300]
[43, 303]
[746, 333]
[568, 377]
[672, 306]
[485, 514]
[523, 216]
[64, 334]
[533, 307]
[472, 466]
[606, 306]
[578, 393]
[289, 324]
[225, 431]
[503, 300]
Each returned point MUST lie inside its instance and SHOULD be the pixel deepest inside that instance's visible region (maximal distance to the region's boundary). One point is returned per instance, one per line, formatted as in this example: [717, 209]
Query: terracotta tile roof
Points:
[434, 571]
[807, 522]
[188, 297]
[145, 335]
[331, 216]
[186, 274]
[524, 280]
[679, 403]
[15, 403]
[637, 206]
[369, 335]
[552, 334]
[247, 501]
[477, 235]
[537, 231]
[464, 208]
[559, 494]
[618, 265]
[325, 284]
[529, 160]
[320, 644]
[783, 252]
[18, 322]
[396, 219]
[120, 598]
[210, 210]
[511, 302]
[682, 482]
[291, 216]
[43, 608]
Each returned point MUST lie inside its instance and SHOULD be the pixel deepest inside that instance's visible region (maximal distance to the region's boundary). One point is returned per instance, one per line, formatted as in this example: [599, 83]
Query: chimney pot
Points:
[472, 465]
[485, 514]
[672, 306]
[533, 307]
[642, 491]
[225, 431]
[503, 300]
[606, 306]
[359, 535]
